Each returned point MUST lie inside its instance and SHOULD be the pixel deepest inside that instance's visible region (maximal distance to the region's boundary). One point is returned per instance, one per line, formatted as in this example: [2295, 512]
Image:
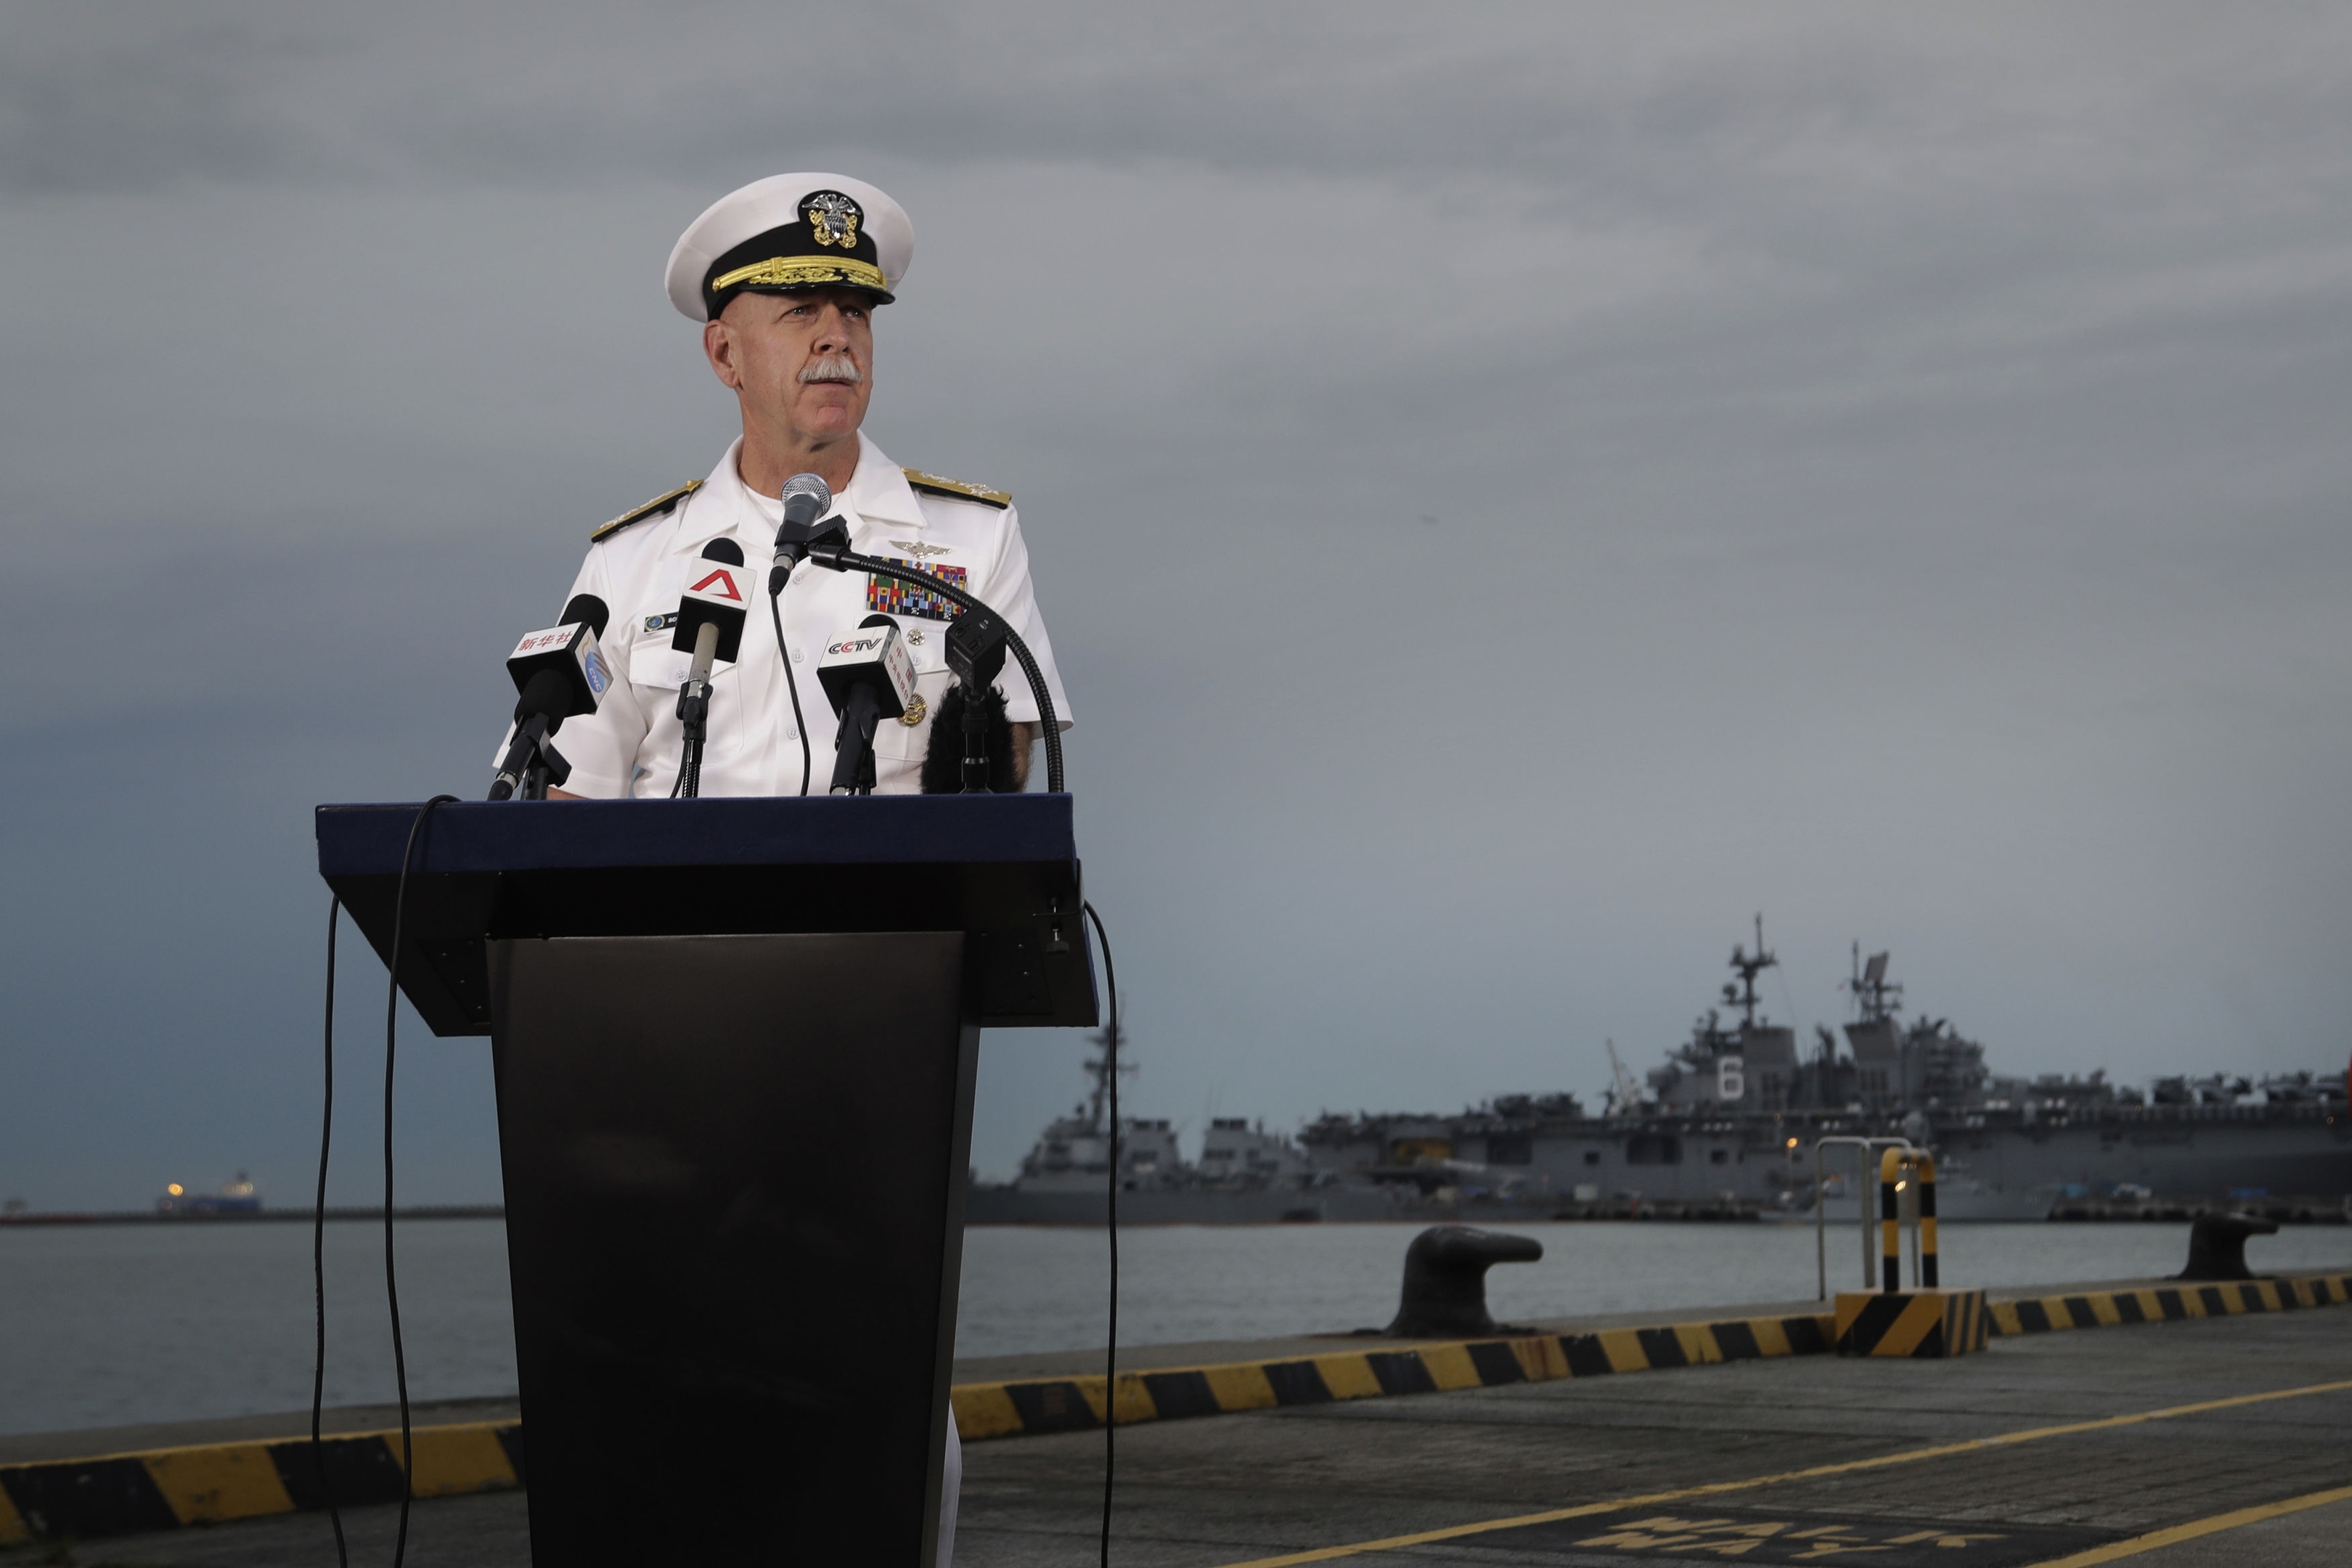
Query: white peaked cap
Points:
[787, 232]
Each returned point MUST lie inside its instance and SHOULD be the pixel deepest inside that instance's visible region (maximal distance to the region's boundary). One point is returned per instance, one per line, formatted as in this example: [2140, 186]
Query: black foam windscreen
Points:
[943, 760]
[595, 611]
[547, 692]
[723, 549]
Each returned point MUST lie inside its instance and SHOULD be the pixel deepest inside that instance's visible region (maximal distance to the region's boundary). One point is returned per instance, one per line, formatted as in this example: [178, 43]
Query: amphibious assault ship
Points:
[1727, 1125]
[1733, 1113]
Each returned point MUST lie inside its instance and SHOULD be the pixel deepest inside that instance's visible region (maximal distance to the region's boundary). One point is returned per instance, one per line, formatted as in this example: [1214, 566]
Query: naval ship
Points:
[1245, 1175]
[1727, 1125]
[1733, 1113]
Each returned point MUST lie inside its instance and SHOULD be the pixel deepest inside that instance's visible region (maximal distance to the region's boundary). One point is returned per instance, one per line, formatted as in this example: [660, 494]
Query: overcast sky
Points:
[1516, 491]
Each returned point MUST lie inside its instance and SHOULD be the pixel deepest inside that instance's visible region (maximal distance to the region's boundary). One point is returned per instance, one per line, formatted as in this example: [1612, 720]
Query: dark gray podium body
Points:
[735, 1042]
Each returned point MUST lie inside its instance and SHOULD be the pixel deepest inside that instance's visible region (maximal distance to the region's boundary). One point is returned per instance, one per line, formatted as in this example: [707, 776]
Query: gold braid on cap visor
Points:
[791, 272]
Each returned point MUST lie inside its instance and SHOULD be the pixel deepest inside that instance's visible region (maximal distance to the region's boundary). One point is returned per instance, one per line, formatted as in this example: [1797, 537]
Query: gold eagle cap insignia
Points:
[832, 218]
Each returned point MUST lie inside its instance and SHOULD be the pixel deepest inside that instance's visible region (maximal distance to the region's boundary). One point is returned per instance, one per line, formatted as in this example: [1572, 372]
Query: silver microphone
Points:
[806, 499]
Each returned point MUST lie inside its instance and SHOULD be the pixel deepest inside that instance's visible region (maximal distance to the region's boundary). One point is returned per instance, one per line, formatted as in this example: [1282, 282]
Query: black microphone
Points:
[710, 612]
[710, 623]
[806, 499]
[868, 677]
[976, 641]
[558, 673]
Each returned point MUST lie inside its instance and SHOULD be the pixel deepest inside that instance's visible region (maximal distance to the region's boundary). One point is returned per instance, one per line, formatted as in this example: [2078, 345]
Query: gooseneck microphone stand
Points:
[835, 555]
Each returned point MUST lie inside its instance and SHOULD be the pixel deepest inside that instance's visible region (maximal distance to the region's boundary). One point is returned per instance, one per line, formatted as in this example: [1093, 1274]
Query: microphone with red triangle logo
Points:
[710, 626]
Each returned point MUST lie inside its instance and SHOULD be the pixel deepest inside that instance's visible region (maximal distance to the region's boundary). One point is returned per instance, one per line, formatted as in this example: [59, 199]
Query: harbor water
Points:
[111, 1325]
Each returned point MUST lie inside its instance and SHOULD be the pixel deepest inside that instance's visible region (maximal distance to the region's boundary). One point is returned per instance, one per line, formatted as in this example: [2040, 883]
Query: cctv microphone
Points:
[558, 672]
[806, 499]
[709, 622]
[868, 677]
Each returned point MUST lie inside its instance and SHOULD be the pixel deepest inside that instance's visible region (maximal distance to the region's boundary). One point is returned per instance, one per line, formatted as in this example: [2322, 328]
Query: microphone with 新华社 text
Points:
[559, 673]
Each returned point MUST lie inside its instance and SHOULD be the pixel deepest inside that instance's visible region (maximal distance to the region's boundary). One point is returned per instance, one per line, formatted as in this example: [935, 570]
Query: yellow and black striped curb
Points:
[1923, 1323]
[2165, 1303]
[207, 1483]
[158, 1488]
[1077, 1403]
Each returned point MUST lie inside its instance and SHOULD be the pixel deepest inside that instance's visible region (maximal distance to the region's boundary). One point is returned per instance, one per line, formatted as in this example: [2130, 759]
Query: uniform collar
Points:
[878, 493]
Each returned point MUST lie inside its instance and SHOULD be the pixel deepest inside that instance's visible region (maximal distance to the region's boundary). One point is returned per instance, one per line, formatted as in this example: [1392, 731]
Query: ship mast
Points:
[1098, 1067]
[1748, 966]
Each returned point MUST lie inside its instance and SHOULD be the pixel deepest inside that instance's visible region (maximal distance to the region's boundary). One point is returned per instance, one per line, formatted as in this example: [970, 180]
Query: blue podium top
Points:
[1002, 869]
[785, 830]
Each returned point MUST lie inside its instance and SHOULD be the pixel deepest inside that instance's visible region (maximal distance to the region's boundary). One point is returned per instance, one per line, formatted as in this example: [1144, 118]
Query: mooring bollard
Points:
[2217, 1246]
[1446, 1279]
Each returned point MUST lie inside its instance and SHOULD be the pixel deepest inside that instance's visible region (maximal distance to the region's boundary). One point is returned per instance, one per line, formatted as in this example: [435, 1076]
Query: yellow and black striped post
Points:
[1893, 1166]
[1890, 1220]
[1924, 1173]
[1927, 1320]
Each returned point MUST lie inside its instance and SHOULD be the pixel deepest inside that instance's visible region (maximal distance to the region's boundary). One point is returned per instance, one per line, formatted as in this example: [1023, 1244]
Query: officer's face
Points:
[803, 361]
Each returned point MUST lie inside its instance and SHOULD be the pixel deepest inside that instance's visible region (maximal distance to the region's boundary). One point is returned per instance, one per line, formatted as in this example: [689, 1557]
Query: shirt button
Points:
[797, 656]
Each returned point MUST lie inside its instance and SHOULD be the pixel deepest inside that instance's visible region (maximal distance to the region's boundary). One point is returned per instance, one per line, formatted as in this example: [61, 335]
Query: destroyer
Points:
[1245, 1175]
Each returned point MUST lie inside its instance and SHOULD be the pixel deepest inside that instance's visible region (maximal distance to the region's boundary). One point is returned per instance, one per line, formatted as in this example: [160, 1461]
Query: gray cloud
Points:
[1884, 470]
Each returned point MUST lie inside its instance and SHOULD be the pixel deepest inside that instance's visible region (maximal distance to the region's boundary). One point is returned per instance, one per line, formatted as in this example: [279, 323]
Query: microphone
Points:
[557, 673]
[806, 499]
[710, 613]
[868, 677]
[710, 622]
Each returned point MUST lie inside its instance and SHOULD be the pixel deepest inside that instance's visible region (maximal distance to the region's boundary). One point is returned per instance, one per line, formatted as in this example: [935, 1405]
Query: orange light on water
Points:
[175, 1189]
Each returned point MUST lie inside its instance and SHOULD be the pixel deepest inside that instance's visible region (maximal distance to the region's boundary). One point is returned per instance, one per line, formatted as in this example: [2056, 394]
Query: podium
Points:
[734, 1043]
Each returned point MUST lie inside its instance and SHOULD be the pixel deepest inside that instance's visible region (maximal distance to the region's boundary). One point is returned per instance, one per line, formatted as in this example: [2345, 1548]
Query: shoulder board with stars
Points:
[654, 508]
[956, 488]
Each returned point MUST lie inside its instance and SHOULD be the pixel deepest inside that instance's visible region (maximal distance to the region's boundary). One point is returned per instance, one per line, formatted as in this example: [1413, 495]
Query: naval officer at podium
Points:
[785, 275]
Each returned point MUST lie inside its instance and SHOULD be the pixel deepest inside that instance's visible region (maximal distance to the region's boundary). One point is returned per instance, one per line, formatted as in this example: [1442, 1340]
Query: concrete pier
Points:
[2189, 1443]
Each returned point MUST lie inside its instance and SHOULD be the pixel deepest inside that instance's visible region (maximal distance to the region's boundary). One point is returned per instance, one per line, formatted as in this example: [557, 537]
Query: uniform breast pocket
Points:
[654, 662]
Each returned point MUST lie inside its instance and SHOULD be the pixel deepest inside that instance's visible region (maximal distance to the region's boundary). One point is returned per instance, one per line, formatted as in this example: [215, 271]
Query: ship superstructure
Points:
[1726, 1122]
[1732, 1114]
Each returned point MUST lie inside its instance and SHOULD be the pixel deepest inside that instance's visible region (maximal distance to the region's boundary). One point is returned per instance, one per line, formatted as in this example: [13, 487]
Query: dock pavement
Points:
[2183, 1444]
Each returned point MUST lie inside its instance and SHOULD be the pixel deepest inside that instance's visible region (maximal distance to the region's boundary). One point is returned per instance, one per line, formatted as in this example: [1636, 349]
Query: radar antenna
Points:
[1875, 996]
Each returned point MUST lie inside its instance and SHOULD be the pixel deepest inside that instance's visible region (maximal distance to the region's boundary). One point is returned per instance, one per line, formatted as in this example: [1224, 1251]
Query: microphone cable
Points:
[784, 657]
[390, 1285]
[1110, 1349]
[319, 1249]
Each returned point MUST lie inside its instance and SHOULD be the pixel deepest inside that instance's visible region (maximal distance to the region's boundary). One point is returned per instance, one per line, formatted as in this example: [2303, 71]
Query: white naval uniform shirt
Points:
[632, 745]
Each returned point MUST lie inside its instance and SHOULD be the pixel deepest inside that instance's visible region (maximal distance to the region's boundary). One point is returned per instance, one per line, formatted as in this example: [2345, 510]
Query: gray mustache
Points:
[834, 367]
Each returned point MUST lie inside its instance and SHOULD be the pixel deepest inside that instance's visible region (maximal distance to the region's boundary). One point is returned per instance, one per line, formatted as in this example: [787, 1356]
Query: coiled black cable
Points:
[319, 1249]
[1110, 1350]
[391, 1284]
